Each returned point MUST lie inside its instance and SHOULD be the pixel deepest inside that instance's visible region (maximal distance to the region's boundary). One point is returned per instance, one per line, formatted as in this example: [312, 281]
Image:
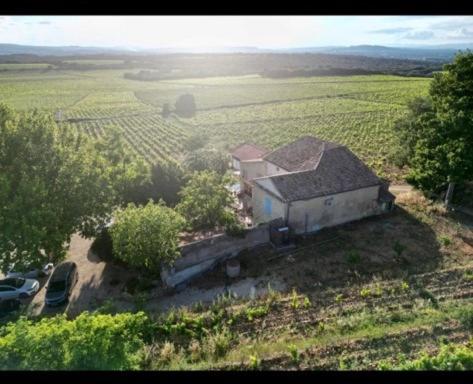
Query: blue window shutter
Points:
[268, 208]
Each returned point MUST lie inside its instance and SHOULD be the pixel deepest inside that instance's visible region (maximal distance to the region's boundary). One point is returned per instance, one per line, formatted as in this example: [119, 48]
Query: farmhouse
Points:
[309, 184]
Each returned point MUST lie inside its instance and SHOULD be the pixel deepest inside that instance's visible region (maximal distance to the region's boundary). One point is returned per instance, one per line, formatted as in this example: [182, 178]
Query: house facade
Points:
[312, 184]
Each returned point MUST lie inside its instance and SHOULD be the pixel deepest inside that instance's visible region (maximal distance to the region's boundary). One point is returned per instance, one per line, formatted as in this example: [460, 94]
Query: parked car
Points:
[30, 272]
[61, 283]
[8, 306]
[18, 288]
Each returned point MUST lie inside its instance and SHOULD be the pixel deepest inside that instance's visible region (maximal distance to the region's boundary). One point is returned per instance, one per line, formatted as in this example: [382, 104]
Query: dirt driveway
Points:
[98, 281]
[101, 281]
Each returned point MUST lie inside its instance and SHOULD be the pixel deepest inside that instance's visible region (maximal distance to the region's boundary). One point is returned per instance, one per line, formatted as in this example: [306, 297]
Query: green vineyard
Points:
[358, 111]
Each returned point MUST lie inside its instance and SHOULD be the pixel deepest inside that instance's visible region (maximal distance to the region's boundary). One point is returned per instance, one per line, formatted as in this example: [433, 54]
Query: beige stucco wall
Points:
[344, 207]
[259, 216]
[250, 170]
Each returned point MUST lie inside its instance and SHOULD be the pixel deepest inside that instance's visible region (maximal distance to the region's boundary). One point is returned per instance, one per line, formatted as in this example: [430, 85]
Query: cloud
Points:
[391, 31]
[453, 25]
[462, 33]
[419, 35]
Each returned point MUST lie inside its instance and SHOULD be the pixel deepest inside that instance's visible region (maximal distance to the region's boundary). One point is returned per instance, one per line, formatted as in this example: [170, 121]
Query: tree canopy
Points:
[437, 134]
[53, 182]
[185, 105]
[146, 236]
[206, 201]
[91, 341]
[206, 159]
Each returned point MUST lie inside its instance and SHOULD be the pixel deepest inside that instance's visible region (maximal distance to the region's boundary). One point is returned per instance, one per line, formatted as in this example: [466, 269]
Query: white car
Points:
[17, 288]
[30, 273]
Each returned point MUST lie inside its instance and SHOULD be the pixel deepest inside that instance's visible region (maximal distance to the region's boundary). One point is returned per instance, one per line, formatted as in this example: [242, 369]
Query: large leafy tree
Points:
[437, 134]
[206, 201]
[147, 236]
[53, 183]
[129, 174]
[206, 159]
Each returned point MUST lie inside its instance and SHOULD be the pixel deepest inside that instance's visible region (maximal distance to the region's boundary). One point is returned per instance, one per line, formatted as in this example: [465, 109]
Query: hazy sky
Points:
[254, 31]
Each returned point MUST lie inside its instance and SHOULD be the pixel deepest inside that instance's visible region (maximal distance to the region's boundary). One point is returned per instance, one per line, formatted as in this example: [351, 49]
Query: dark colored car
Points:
[61, 283]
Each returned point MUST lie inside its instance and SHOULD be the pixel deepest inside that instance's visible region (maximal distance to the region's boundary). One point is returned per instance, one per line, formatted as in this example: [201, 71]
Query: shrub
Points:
[255, 362]
[294, 352]
[146, 236]
[89, 342]
[185, 105]
[445, 240]
[451, 357]
[216, 345]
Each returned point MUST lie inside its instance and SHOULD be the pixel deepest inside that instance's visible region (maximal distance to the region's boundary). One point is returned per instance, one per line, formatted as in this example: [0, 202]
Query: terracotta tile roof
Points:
[248, 152]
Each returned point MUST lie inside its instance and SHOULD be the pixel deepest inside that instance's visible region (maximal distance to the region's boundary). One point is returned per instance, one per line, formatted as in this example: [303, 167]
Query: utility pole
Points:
[448, 196]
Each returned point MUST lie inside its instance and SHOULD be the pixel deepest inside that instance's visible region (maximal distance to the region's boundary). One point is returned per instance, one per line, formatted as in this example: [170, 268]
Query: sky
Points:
[235, 31]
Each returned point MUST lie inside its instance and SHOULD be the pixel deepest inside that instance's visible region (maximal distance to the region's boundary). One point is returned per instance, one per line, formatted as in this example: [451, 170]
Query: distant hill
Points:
[438, 53]
[423, 53]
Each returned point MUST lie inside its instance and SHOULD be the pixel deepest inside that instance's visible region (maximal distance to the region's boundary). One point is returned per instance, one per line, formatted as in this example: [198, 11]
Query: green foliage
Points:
[254, 362]
[196, 141]
[53, 182]
[451, 357]
[466, 317]
[89, 342]
[185, 105]
[205, 201]
[437, 132]
[294, 300]
[445, 240]
[206, 159]
[295, 354]
[147, 236]
[255, 312]
[167, 179]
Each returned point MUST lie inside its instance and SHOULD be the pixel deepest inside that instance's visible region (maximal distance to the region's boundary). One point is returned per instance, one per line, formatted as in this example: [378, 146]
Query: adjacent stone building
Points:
[312, 184]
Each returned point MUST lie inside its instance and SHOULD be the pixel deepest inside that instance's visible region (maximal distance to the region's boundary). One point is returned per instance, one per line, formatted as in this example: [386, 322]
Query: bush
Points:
[185, 105]
[449, 358]
[146, 236]
[89, 342]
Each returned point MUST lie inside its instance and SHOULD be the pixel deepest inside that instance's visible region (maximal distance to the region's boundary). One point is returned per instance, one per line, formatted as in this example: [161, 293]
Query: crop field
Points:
[358, 111]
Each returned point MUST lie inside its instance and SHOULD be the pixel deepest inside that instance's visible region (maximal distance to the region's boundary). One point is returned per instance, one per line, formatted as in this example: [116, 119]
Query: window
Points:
[268, 205]
[328, 201]
[6, 289]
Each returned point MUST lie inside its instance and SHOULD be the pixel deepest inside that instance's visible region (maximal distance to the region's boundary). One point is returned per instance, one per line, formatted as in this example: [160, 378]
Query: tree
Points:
[206, 159]
[206, 201]
[167, 180]
[196, 141]
[146, 236]
[129, 173]
[438, 131]
[53, 182]
[185, 105]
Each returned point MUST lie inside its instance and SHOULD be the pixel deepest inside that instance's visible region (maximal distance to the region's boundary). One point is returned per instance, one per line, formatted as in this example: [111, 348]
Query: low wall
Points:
[202, 255]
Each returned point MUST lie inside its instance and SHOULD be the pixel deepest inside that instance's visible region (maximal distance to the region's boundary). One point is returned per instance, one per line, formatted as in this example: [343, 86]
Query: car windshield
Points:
[17, 282]
[57, 286]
